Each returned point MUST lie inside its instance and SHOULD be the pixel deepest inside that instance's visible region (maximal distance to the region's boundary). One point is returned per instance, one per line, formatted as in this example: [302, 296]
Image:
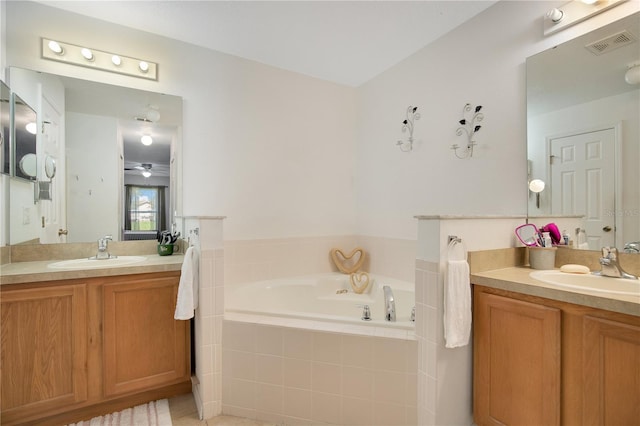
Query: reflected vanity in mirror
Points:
[92, 157]
[583, 132]
[5, 120]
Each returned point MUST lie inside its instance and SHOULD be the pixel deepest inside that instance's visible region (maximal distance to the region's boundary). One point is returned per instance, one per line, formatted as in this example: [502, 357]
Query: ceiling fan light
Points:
[146, 140]
[153, 115]
[146, 173]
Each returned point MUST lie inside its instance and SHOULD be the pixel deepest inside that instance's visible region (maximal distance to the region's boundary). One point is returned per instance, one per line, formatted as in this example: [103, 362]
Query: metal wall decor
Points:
[470, 128]
[407, 125]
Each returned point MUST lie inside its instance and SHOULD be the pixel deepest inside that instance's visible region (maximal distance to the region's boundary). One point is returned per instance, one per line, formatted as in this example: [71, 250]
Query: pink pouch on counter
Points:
[554, 232]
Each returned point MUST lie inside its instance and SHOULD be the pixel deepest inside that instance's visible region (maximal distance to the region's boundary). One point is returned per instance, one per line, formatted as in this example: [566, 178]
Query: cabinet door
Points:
[611, 373]
[516, 362]
[144, 347]
[43, 349]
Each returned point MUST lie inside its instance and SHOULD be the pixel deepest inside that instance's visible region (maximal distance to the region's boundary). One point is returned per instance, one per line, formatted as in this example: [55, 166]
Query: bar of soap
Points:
[574, 269]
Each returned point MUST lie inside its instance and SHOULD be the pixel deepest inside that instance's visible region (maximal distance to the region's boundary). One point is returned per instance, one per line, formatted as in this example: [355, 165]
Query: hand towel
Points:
[457, 304]
[188, 288]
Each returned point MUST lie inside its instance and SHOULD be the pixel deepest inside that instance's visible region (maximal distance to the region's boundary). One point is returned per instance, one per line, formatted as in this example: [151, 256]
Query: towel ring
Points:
[451, 249]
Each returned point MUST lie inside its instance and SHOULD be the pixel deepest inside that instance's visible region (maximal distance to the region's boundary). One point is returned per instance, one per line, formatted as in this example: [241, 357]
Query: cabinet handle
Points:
[62, 232]
[607, 229]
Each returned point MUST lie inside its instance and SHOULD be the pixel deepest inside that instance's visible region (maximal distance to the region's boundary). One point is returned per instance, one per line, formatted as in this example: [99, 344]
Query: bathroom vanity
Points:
[547, 355]
[80, 343]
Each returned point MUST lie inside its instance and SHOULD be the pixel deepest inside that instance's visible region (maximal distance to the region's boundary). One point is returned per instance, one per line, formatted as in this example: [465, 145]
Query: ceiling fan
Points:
[145, 168]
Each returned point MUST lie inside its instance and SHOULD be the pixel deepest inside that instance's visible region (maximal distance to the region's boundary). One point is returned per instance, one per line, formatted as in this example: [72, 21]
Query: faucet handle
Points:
[366, 312]
[610, 253]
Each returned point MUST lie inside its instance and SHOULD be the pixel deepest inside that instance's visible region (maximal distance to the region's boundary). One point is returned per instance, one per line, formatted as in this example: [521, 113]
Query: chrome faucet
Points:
[103, 245]
[389, 304]
[610, 265]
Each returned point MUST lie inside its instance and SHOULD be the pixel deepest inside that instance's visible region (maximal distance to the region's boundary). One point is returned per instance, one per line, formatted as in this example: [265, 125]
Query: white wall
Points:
[274, 151]
[481, 62]
[271, 150]
[92, 177]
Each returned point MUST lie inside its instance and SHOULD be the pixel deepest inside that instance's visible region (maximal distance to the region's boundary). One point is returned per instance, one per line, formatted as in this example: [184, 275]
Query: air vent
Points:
[610, 43]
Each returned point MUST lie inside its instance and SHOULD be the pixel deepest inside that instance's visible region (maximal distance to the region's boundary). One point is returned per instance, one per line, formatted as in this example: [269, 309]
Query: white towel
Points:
[457, 304]
[188, 289]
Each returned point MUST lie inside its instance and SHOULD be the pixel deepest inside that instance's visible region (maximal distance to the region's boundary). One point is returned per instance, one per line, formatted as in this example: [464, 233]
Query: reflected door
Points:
[53, 211]
[582, 178]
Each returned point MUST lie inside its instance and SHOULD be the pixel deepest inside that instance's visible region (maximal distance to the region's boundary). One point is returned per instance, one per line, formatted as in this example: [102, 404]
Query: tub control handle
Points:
[366, 312]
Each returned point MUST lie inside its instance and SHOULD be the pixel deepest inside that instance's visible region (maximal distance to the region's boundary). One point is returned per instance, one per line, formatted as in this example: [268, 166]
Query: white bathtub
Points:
[315, 300]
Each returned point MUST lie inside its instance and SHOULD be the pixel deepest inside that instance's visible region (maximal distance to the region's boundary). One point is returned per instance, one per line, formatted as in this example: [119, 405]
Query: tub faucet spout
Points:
[389, 304]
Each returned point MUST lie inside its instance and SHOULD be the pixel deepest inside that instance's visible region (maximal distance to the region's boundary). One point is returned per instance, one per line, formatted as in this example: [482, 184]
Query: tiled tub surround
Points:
[303, 371]
[295, 376]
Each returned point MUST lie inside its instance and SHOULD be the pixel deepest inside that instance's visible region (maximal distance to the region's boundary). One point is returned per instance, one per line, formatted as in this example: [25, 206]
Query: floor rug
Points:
[154, 413]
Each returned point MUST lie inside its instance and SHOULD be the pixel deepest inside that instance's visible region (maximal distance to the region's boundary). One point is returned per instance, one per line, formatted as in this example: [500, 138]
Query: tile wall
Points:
[293, 376]
[256, 260]
[429, 305]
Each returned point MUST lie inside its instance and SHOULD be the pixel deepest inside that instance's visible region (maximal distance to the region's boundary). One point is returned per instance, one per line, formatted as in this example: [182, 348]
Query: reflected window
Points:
[145, 208]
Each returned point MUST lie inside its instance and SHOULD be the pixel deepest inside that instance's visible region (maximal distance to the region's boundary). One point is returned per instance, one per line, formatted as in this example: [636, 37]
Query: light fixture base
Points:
[99, 60]
[575, 12]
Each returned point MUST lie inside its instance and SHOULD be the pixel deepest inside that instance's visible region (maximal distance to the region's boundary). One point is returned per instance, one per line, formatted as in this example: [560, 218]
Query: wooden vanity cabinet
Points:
[43, 349]
[75, 349]
[517, 362]
[143, 345]
[545, 362]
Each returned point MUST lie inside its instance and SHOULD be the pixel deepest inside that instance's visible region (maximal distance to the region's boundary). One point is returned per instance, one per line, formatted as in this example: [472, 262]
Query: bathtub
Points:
[319, 302]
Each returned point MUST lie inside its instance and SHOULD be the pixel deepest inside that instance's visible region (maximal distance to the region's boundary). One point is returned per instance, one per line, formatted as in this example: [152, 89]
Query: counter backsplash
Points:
[38, 252]
[486, 260]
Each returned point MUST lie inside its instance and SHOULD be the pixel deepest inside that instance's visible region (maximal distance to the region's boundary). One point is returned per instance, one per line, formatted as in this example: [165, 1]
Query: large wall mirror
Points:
[109, 155]
[583, 132]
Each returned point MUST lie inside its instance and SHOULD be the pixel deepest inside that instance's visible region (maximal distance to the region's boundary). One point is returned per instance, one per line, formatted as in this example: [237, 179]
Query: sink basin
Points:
[589, 282]
[91, 263]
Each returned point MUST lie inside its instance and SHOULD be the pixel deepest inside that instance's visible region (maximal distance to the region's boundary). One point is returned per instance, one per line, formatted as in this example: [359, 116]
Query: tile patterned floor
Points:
[185, 413]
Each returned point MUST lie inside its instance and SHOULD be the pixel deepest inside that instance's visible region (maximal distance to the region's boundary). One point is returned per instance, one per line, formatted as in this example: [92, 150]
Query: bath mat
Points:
[155, 413]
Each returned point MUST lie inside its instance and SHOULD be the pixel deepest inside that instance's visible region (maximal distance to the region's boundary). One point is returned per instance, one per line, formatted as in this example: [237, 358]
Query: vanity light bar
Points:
[91, 58]
[575, 12]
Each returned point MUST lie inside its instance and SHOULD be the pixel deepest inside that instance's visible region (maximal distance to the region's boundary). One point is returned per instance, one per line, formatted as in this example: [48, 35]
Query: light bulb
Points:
[146, 140]
[632, 76]
[55, 47]
[88, 54]
[146, 173]
[32, 128]
[116, 60]
[555, 15]
[144, 67]
[536, 185]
